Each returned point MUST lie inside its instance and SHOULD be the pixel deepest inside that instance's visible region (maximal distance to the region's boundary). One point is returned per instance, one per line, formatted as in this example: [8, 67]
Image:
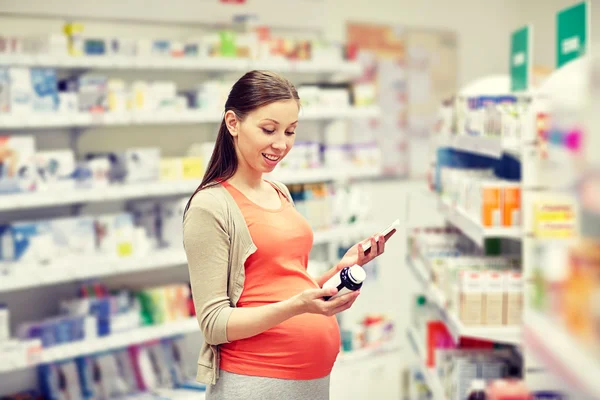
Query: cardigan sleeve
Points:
[207, 245]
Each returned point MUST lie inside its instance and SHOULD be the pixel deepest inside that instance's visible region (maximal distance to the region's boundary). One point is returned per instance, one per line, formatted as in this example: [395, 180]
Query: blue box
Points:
[26, 243]
[44, 85]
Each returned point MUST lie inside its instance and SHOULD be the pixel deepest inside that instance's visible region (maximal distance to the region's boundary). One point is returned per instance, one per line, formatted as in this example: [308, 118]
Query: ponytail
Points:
[223, 162]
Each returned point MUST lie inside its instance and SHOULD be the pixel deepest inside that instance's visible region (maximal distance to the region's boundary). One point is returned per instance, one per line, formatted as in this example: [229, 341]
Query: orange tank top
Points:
[305, 346]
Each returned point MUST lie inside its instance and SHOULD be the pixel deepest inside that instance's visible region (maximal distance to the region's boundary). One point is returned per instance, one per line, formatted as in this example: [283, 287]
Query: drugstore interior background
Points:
[424, 52]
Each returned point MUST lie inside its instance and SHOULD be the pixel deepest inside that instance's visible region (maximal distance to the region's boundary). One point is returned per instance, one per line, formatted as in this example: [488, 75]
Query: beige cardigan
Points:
[217, 243]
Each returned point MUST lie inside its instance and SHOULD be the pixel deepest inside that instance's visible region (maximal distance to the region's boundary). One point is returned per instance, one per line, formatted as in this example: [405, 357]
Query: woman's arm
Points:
[356, 255]
[247, 322]
[207, 247]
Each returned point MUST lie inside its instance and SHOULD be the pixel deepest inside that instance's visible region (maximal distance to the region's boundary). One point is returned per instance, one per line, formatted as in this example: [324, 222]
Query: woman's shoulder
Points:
[212, 199]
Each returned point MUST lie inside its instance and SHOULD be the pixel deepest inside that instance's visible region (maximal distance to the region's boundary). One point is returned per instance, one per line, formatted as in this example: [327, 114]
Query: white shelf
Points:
[114, 341]
[216, 64]
[473, 229]
[431, 378]
[76, 269]
[312, 175]
[561, 354]
[73, 270]
[487, 146]
[72, 120]
[39, 199]
[314, 113]
[497, 334]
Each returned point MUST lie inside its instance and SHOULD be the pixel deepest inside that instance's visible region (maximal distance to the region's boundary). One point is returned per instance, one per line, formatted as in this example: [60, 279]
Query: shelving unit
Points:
[211, 64]
[497, 334]
[183, 117]
[474, 230]
[431, 378]
[44, 199]
[76, 270]
[487, 146]
[92, 267]
[112, 342]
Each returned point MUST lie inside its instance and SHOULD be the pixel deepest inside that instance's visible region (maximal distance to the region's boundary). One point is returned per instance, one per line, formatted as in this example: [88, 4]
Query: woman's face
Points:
[266, 135]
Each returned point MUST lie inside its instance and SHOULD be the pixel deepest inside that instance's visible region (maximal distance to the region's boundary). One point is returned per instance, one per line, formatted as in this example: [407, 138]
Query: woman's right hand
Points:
[312, 301]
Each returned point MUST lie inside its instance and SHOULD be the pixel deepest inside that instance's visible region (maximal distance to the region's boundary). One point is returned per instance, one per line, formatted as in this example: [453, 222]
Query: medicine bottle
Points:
[347, 280]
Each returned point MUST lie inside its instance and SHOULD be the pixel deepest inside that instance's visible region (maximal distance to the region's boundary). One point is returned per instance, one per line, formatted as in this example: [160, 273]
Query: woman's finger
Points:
[381, 244]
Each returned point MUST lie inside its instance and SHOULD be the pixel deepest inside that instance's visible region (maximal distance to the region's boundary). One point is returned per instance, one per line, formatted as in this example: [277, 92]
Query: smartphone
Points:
[386, 235]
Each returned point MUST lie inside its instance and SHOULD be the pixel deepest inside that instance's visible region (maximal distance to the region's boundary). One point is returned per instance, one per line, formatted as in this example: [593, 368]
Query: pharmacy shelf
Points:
[213, 64]
[44, 199]
[473, 229]
[488, 146]
[558, 350]
[431, 378]
[41, 199]
[83, 120]
[321, 113]
[290, 176]
[75, 270]
[497, 334]
[112, 342]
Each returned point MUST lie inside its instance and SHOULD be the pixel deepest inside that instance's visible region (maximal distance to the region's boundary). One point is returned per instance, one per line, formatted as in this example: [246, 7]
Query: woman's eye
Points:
[291, 133]
[268, 131]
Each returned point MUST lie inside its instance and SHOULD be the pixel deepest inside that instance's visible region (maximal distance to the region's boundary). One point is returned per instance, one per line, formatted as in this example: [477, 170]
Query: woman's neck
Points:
[244, 177]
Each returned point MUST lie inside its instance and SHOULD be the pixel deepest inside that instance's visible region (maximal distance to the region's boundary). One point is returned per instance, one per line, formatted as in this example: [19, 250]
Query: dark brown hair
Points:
[253, 90]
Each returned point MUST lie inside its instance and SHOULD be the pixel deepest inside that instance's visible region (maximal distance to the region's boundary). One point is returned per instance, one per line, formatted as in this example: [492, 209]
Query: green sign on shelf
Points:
[520, 59]
[572, 33]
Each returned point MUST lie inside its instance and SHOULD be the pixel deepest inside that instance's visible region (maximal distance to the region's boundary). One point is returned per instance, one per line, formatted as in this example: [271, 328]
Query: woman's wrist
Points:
[294, 306]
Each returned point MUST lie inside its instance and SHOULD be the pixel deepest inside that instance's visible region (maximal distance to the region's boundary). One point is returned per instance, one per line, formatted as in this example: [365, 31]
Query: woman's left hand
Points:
[356, 254]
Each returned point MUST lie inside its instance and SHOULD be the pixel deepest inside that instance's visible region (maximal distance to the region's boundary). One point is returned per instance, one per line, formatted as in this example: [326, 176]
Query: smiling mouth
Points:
[271, 157]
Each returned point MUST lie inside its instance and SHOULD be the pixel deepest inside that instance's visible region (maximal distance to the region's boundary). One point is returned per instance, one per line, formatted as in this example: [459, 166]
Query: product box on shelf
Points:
[115, 234]
[470, 297]
[170, 220]
[60, 380]
[193, 167]
[4, 323]
[5, 97]
[73, 238]
[171, 168]
[513, 313]
[44, 90]
[21, 91]
[55, 169]
[142, 165]
[26, 244]
[93, 93]
[17, 164]
[146, 215]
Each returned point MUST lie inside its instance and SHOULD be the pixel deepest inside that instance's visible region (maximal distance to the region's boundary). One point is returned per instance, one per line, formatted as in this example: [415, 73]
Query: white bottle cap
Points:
[357, 274]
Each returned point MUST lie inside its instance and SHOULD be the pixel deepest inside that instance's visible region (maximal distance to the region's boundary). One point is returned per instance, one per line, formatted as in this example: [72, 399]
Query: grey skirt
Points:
[231, 386]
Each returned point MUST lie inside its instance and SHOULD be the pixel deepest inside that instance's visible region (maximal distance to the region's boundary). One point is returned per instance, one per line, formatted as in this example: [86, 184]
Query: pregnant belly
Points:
[303, 347]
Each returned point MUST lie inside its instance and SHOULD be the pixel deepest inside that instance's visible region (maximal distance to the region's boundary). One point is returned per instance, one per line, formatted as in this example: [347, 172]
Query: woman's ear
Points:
[232, 123]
